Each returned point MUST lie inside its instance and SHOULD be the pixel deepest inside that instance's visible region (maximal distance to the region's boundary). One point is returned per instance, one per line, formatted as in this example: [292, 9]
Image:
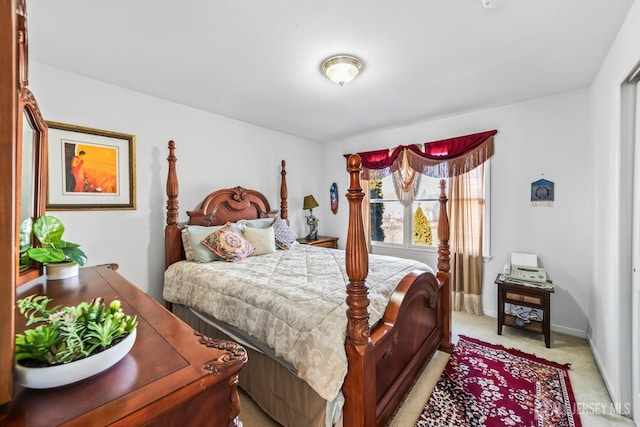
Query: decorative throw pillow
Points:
[189, 254]
[195, 234]
[284, 236]
[229, 244]
[263, 239]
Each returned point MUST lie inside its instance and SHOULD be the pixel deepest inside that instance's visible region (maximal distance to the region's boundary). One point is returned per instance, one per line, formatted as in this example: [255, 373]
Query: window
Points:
[416, 225]
[413, 225]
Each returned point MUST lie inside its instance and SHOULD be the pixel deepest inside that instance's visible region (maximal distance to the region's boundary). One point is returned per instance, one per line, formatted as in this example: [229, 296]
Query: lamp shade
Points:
[309, 202]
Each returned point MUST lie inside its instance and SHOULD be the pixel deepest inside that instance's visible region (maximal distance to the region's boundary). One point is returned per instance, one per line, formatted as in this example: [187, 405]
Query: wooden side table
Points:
[170, 376]
[528, 295]
[322, 241]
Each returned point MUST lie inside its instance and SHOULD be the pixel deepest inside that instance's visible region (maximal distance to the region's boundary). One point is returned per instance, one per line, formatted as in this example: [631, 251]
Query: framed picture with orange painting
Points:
[90, 169]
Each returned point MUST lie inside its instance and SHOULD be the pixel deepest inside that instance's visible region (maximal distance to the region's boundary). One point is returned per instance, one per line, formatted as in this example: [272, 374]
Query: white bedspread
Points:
[292, 300]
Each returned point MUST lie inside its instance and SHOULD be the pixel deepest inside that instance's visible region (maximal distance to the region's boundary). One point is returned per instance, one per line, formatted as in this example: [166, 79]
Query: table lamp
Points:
[310, 203]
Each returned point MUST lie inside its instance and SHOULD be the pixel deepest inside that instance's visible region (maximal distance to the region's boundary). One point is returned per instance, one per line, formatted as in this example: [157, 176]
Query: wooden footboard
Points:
[407, 338]
[385, 362]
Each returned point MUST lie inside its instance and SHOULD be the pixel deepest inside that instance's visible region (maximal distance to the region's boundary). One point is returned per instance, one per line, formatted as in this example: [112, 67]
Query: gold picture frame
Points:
[90, 169]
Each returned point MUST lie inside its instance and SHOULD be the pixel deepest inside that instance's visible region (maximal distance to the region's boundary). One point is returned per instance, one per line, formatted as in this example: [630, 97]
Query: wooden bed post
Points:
[284, 205]
[172, 229]
[443, 269]
[359, 386]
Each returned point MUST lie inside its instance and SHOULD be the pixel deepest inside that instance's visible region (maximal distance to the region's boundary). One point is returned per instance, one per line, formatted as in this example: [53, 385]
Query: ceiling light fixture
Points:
[341, 69]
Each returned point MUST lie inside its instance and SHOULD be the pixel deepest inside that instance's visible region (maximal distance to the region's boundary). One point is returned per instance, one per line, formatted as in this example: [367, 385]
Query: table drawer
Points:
[329, 244]
[524, 298]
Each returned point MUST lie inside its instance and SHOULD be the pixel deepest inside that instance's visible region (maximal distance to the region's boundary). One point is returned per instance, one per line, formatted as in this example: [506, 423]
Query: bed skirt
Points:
[283, 396]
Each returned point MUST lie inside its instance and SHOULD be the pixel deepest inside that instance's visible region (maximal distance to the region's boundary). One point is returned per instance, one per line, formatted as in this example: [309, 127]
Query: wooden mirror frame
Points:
[8, 234]
[15, 101]
[31, 156]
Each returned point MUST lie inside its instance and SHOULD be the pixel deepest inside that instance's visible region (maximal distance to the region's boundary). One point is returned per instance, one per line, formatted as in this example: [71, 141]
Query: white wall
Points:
[544, 136]
[213, 152]
[609, 307]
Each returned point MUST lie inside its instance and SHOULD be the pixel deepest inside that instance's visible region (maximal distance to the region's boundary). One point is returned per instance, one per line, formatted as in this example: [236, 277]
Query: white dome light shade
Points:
[341, 69]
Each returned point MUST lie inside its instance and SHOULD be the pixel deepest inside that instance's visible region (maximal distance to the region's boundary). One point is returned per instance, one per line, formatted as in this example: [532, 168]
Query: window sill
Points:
[428, 256]
[393, 249]
[395, 246]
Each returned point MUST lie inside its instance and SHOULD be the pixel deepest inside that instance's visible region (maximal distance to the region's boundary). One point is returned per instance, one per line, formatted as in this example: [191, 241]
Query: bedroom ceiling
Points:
[259, 61]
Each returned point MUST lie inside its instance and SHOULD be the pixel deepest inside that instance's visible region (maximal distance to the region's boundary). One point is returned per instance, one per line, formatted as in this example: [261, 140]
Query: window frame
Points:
[407, 233]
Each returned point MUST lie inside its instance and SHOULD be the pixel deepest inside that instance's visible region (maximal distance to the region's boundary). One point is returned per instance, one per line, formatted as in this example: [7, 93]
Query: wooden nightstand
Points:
[169, 376]
[322, 241]
[527, 295]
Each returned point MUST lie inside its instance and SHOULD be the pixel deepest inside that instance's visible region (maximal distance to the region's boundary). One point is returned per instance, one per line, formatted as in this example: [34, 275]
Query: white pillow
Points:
[262, 239]
[256, 223]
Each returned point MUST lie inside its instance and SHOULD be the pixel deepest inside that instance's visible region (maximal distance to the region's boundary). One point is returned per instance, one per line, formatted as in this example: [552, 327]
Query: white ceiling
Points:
[259, 60]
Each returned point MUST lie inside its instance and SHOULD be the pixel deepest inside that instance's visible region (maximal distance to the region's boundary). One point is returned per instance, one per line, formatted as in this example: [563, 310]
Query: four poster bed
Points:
[386, 339]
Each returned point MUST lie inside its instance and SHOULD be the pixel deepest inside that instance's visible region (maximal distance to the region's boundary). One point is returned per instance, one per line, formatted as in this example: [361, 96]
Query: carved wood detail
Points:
[172, 186]
[357, 259]
[359, 385]
[391, 345]
[172, 240]
[23, 44]
[234, 402]
[234, 353]
[284, 193]
[26, 97]
[443, 270]
[208, 220]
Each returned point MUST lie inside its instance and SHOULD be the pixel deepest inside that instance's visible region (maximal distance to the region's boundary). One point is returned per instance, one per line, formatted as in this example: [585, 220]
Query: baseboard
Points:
[569, 331]
[490, 313]
[597, 358]
[556, 328]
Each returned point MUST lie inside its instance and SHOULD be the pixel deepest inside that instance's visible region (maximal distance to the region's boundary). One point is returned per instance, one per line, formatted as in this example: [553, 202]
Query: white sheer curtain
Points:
[406, 182]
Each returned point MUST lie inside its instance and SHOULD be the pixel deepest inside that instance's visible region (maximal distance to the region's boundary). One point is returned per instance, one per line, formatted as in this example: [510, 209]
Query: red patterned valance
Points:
[438, 159]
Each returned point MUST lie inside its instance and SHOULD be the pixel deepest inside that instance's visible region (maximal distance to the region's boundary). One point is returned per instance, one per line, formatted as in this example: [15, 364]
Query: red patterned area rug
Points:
[488, 385]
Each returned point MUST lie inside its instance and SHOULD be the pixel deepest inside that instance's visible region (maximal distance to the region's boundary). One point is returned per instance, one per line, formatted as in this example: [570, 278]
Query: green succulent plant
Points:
[65, 334]
[49, 230]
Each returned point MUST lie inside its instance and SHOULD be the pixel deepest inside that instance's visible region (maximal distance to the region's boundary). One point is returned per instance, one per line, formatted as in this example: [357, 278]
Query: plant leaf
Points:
[45, 255]
[76, 254]
[48, 230]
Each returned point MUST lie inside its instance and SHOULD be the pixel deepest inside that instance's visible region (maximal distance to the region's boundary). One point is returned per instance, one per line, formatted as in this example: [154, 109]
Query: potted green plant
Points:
[60, 257]
[70, 343]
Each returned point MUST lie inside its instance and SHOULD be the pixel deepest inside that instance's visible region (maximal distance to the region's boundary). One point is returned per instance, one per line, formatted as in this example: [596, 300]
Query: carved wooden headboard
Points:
[230, 205]
[217, 208]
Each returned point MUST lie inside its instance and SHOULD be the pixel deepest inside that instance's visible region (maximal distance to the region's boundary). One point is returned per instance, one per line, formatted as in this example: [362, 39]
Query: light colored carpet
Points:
[593, 401]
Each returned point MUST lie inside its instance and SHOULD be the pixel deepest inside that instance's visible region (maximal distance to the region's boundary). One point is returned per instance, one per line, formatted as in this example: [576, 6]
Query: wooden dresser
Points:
[322, 241]
[170, 377]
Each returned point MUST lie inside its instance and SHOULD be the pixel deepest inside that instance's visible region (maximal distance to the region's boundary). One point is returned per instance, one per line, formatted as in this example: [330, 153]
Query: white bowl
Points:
[68, 373]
